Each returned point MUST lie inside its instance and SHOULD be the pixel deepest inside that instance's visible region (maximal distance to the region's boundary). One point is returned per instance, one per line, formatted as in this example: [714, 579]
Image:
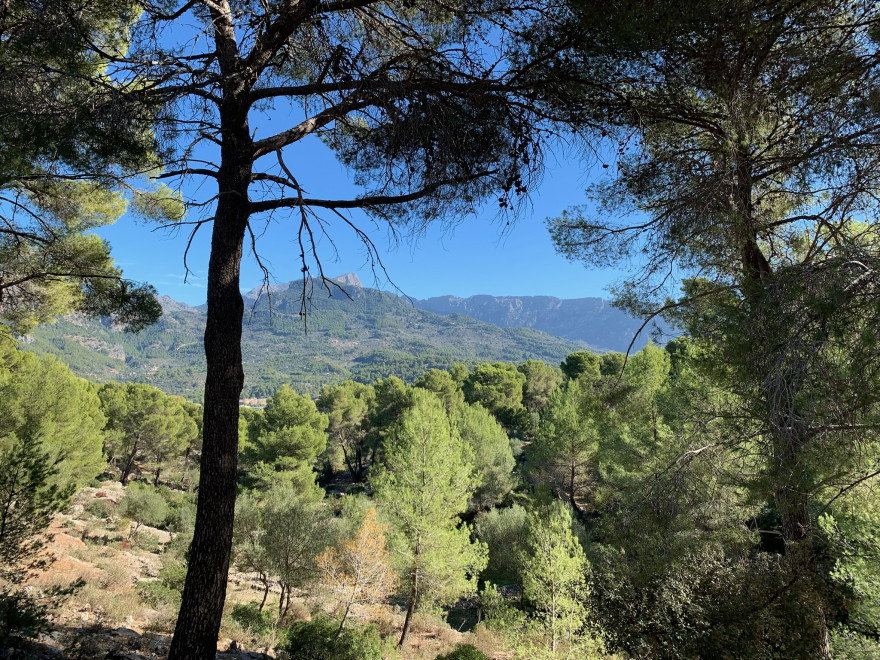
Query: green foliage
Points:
[20, 617]
[783, 395]
[442, 384]
[318, 640]
[250, 617]
[490, 452]
[62, 164]
[42, 461]
[564, 453]
[541, 381]
[425, 482]
[463, 652]
[495, 386]
[554, 568]
[146, 427]
[168, 588]
[582, 364]
[504, 531]
[144, 505]
[40, 399]
[347, 407]
[284, 441]
[281, 537]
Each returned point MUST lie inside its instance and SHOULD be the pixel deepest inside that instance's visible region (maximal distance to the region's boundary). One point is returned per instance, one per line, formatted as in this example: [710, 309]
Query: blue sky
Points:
[478, 256]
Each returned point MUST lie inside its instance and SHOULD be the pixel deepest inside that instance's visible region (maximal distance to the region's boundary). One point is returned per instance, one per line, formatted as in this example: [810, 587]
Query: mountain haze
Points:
[592, 321]
[365, 335]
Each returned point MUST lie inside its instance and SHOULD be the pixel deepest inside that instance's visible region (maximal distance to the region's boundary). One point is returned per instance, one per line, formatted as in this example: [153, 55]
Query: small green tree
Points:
[554, 566]
[503, 531]
[249, 554]
[425, 482]
[27, 502]
[144, 505]
[145, 427]
[490, 452]
[564, 451]
[294, 531]
[286, 438]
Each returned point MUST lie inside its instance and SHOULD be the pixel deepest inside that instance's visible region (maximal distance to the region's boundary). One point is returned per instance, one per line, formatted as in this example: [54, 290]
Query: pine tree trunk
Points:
[413, 596]
[129, 464]
[789, 476]
[201, 609]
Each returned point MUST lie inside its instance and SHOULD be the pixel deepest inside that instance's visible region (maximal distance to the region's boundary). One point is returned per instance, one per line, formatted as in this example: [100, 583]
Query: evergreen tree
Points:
[145, 427]
[553, 568]
[490, 452]
[62, 163]
[285, 440]
[425, 482]
[347, 406]
[746, 132]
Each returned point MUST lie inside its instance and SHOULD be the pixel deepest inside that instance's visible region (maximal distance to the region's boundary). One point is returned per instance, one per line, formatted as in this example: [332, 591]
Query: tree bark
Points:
[129, 464]
[413, 596]
[789, 476]
[201, 609]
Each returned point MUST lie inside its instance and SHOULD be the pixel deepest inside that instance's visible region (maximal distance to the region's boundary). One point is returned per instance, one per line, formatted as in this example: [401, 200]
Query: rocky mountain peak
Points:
[349, 279]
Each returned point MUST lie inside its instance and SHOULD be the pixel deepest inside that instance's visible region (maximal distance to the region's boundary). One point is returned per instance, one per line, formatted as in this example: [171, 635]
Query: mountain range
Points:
[353, 333]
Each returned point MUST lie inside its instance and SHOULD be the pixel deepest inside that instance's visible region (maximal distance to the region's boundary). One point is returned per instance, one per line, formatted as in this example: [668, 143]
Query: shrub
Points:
[20, 616]
[250, 617]
[168, 588]
[464, 652]
[146, 541]
[99, 508]
[503, 530]
[317, 640]
[143, 505]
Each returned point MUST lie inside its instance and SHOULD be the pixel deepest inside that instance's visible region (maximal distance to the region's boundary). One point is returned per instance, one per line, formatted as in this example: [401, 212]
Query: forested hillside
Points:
[370, 335]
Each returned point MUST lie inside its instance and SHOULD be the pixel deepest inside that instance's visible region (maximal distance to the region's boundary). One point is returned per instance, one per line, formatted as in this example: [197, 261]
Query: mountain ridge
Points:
[364, 335]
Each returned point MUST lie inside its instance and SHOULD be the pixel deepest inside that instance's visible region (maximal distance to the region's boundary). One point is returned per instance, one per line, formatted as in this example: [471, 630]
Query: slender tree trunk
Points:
[265, 580]
[201, 609]
[344, 617]
[413, 596]
[185, 468]
[348, 463]
[129, 464]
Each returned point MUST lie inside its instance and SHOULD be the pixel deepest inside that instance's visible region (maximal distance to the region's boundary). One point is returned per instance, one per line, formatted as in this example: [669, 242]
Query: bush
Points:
[503, 530]
[464, 652]
[146, 541]
[99, 508]
[250, 617]
[20, 616]
[168, 588]
[316, 640]
[143, 505]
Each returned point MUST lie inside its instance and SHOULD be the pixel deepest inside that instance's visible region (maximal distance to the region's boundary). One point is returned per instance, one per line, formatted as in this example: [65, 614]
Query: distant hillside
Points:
[592, 321]
[374, 334]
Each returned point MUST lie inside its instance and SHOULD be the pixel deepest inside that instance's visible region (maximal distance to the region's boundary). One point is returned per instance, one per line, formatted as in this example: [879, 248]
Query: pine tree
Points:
[425, 482]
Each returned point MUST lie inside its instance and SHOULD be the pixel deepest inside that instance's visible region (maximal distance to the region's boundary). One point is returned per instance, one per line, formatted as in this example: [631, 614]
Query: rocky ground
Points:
[115, 614]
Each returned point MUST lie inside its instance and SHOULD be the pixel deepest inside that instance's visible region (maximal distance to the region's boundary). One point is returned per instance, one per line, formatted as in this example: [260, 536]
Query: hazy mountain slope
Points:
[590, 320]
[373, 334]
